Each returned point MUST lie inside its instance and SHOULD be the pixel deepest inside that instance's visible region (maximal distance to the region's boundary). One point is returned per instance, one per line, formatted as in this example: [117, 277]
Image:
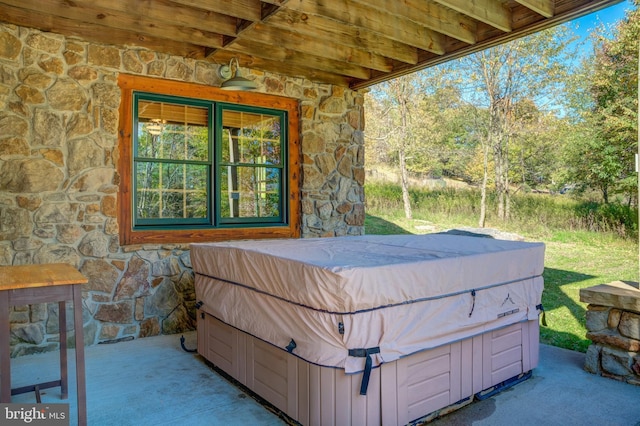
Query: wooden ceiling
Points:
[354, 43]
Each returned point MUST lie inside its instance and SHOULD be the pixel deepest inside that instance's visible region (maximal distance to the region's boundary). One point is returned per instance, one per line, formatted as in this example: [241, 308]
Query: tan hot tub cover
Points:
[321, 297]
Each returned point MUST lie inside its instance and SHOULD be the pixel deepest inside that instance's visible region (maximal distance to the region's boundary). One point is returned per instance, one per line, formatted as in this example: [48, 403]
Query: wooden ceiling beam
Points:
[347, 35]
[429, 15]
[84, 11]
[543, 7]
[360, 16]
[160, 11]
[249, 10]
[491, 12]
[267, 10]
[99, 34]
[276, 38]
[284, 58]
[315, 75]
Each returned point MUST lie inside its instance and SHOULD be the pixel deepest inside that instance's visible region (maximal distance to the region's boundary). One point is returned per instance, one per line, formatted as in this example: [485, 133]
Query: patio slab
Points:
[153, 381]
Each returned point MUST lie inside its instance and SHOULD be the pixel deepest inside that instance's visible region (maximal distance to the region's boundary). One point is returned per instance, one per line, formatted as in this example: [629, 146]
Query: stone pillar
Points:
[613, 326]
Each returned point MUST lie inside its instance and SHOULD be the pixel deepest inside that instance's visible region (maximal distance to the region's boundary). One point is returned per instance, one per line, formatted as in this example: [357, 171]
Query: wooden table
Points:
[30, 284]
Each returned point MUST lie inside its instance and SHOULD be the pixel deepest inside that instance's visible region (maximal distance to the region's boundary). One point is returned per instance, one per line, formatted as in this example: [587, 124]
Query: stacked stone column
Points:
[613, 326]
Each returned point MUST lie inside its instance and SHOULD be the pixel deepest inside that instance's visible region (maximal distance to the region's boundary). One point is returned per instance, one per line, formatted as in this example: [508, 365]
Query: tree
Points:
[615, 91]
[405, 123]
[504, 78]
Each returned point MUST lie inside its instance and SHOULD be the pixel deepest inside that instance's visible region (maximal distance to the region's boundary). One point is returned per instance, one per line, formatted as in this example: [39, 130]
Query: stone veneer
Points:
[59, 105]
[613, 325]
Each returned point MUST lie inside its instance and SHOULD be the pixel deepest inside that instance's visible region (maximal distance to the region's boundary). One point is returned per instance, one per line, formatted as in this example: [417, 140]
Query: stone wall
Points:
[613, 325]
[58, 183]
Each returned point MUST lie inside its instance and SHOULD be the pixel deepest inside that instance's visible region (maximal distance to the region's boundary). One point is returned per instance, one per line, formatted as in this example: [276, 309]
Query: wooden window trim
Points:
[128, 84]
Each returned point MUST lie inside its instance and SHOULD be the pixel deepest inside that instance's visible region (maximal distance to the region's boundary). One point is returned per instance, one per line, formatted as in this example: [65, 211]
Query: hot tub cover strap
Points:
[365, 353]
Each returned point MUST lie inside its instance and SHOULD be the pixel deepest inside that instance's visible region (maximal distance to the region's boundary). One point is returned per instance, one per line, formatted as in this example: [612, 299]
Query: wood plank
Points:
[318, 47]
[315, 401]
[466, 367]
[41, 275]
[302, 397]
[100, 34]
[429, 15]
[361, 16]
[478, 364]
[85, 12]
[244, 25]
[327, 393]
[373, 398]
[389, 394]
[347, 35]
[344, 408]
[163, 11]
[265, 64]
[455, 373]
[250, 10]
[543, 7]
[490, 12]
[526, 355]
[292, 386]
[286, 59]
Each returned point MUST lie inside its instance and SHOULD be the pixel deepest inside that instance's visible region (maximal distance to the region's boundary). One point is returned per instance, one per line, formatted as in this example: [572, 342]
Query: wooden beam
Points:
[284, 58]
[162, 11]
[85, 12]
[543, 7]
[361, 16]
[347, 35]
[99, 34]
[427, 14]
[490, 12]
[249, 10]
[276, 38]
[315, 75]
[564, 14]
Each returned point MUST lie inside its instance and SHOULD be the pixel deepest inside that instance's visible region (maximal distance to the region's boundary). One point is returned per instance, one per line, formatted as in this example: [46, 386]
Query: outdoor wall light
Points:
[154, 127]
[237, 82]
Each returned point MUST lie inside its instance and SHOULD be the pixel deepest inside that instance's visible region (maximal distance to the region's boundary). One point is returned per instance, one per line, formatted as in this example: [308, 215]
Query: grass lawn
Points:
[573, 260]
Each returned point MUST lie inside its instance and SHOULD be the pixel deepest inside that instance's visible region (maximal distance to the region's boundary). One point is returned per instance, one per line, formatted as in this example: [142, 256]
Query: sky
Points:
[608, 16]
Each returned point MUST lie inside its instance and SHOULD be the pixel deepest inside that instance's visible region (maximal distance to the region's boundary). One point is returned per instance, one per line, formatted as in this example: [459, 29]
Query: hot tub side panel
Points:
[399, 392]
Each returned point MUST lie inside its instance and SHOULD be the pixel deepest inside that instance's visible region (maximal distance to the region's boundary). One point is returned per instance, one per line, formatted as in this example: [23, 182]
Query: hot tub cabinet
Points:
[369, 330]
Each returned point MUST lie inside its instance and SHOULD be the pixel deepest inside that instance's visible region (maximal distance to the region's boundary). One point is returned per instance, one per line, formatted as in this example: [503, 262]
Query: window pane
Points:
[251, 138]
[172, 131]
[250, 192]
[171, 190]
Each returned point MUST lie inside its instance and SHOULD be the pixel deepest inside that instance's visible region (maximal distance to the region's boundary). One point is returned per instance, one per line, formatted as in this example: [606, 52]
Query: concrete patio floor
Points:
[152, 381]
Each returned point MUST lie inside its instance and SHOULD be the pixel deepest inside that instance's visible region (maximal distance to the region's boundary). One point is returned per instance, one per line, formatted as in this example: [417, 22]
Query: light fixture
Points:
[154, 126]
[237, 82]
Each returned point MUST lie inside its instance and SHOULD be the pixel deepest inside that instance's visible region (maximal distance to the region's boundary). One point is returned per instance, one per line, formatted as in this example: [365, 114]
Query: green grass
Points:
[575, 256]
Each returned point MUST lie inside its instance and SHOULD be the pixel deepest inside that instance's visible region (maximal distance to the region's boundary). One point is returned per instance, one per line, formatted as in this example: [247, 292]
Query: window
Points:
[197, 163]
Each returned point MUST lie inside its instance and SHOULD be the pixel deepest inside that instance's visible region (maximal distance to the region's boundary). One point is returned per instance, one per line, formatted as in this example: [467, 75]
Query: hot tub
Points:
[381, 329]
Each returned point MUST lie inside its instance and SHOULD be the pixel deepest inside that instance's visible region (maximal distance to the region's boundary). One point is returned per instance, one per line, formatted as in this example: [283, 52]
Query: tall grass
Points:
[534, 213]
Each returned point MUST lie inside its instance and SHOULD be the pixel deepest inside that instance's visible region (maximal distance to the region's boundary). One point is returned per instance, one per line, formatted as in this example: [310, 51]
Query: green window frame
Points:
[201, 164]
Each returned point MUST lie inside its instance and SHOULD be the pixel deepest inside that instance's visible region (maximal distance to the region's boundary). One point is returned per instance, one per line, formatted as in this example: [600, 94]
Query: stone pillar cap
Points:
[617, 294]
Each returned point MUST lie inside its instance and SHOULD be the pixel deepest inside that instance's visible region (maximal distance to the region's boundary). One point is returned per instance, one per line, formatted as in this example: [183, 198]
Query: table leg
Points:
[5, 349]
[80, 374]
[62, 325]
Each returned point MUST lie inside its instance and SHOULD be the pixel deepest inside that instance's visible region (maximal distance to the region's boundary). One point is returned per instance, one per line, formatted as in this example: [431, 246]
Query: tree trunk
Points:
[506, 182]
[483, 188]
[404, 180]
